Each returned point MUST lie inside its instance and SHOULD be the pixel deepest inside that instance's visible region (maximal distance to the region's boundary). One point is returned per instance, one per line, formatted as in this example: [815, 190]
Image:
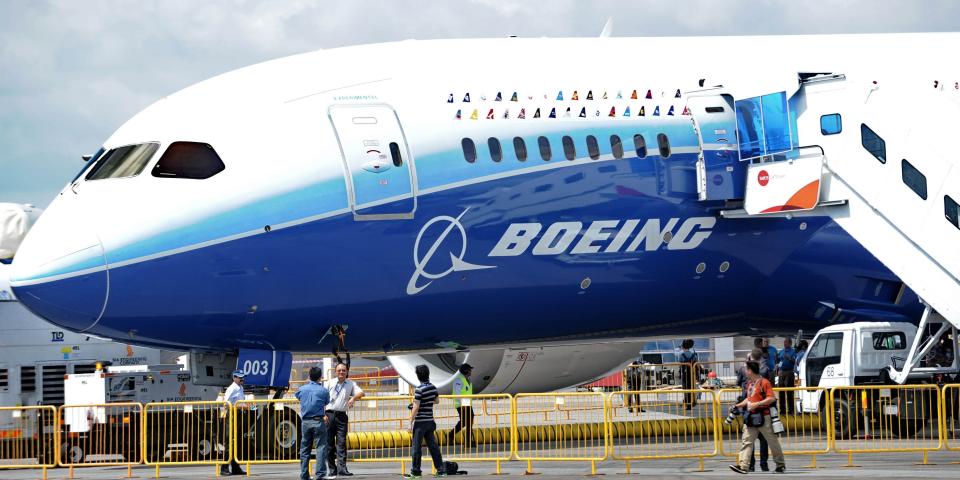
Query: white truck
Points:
[861, 353]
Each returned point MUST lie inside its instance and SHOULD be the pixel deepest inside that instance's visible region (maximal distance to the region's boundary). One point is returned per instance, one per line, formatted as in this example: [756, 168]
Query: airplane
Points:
[435, 200]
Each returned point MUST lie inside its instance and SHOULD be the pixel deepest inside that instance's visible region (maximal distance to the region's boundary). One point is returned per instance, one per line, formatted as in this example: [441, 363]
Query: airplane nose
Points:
[59, 272]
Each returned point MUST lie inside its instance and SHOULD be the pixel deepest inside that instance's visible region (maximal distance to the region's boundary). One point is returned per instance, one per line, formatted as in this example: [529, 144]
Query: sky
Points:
[72, 72]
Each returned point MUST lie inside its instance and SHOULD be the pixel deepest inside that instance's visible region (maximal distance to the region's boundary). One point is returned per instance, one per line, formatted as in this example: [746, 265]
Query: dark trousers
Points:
[337, 435]
[686, 380]
[786, 379]
[424, 431]
[764, 454]
[465, 423]
[312, 431]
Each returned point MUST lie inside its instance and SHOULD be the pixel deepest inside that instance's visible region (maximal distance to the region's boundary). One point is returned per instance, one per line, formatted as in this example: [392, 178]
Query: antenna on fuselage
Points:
[607, 28]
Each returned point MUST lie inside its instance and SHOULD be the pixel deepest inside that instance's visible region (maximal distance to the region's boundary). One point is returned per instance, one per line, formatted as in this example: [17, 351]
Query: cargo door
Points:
[381, 183]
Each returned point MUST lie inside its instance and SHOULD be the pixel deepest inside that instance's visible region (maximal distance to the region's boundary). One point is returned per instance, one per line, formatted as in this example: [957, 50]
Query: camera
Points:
[732, 414]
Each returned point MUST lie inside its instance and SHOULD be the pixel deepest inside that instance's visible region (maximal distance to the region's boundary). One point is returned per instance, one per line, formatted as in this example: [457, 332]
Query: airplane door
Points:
[381, 182]
[720, 174]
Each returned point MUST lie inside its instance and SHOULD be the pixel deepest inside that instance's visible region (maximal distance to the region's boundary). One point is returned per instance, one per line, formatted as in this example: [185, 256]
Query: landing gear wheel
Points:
[285, 435]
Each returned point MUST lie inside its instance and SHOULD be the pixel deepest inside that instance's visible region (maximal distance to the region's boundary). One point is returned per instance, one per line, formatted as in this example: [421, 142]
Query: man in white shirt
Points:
[343, 393]
[234, 392]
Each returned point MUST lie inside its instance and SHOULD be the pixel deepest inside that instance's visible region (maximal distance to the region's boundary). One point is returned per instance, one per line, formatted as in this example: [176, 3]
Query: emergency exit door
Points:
[380, 176]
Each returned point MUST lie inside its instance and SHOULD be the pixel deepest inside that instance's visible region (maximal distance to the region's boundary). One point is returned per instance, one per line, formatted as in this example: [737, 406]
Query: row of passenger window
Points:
[911, 176]
[569, 147]
[181, 160]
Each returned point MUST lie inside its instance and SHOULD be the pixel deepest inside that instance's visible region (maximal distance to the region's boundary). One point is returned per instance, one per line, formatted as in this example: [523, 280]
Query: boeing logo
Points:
[596, 238]
[601, 236]
[457, 264]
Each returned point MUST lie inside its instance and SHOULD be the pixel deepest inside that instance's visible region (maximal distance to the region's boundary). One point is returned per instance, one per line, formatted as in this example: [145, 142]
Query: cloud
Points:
[75, 71]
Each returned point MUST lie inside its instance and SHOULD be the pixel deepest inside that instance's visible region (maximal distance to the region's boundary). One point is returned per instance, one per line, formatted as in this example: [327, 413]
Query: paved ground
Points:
[896, 465]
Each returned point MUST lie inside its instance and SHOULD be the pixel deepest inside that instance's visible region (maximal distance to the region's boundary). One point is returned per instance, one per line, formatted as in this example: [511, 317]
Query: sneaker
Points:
[440, 474]
[344, 473]
[738, 469]
[330, 476]
[225, 472]
[764, 468]
[411, 475]
[781, 469]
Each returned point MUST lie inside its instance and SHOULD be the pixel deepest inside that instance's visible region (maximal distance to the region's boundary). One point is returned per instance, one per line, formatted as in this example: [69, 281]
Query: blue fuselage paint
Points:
[402, 284]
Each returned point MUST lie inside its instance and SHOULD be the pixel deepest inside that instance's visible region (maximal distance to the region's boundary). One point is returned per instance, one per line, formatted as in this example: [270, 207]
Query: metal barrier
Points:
[726, 371]
[187, 433]
[659, 376]
[804, 433]
[663, 425]
[354, 372]
[575, 430]
[377, 384]
[100, 435]
[28, 437]
[266, 432]
[484, 433]
[889, 418]
[950, 413]
[380, 430]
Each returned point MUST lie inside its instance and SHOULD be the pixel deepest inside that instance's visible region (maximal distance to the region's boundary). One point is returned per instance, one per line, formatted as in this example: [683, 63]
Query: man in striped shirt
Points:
[422, 424]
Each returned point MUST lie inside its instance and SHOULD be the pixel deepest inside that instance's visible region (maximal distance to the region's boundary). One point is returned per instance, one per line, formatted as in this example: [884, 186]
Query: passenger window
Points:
[831, 124]
[616, 146]
[640, 145]
[914, 179]
[873, 143]
[469, 150]
[496, 152]
[395, 154]
[569, 150]
[889, 341]
[951, 210]
[664, 144]
[592, 148]
[191, 160]
[123, 162]
[544, 145]
[520, 148]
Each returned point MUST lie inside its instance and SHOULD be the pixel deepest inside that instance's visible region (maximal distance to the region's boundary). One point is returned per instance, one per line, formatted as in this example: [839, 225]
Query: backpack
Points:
[452, 468]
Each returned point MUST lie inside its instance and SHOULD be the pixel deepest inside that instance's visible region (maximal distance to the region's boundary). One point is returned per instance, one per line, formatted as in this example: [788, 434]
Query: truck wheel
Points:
[72, 453]
[842, 422]
[286, 434]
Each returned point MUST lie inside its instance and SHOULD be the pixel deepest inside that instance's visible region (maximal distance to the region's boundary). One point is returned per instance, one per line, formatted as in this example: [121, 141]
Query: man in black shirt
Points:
[422, 424]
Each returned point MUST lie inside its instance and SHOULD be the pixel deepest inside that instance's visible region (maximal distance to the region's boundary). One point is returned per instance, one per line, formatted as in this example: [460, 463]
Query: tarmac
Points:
[891, 465]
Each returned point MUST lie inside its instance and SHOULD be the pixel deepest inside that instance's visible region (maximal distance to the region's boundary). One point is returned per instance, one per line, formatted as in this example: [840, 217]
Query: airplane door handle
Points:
[376, 166]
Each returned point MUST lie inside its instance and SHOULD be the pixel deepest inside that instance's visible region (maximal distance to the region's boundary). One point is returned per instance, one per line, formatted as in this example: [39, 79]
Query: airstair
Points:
[881, 161]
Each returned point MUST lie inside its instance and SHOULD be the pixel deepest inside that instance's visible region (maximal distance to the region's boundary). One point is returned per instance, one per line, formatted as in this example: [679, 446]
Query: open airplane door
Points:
[381, 183]
[719, 170]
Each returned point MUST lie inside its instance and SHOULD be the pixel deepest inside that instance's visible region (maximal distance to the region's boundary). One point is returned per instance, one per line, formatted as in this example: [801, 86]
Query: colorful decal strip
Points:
[805, 199]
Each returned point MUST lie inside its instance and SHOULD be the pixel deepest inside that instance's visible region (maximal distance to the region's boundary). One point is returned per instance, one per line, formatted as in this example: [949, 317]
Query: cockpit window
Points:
[86, 165]
[123, 162]
[189, 160]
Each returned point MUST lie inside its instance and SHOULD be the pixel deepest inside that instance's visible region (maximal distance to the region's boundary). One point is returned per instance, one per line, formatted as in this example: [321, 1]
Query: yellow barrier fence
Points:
[266, 432]
[100, 435]
[479, 430]
[661, 426]
[187, 433]
[950, 399]
[560, 427]
[28, 437]
[379, 430]
[889, 418]
[804, 433]
[660, 376]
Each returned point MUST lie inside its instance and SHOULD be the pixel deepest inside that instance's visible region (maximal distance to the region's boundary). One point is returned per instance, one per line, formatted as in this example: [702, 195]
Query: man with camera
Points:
[757, 420]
